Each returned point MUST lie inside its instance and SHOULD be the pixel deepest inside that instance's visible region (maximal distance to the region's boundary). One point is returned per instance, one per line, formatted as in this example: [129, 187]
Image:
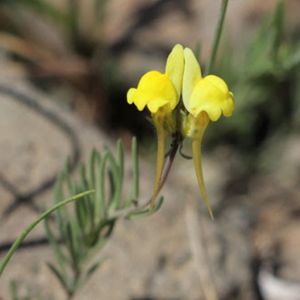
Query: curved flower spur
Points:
[204, 99]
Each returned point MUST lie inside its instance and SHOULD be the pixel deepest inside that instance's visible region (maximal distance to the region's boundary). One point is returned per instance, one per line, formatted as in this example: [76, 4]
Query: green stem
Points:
[217, 36]
[30, 227]
[177, 140]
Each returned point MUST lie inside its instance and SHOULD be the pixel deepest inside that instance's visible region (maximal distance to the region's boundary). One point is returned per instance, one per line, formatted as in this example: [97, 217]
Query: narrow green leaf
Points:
[30, 227]
[120, 162]
[67, 177]
[72, 245]
[135, 167]
[134, 193]
[89, 200]
[56, 247]
[63, 280]
[91, 270]
[217, 37]
[94, 161]
[83, 177]
[60, 215]
[120, 158]
[115, 195]
[100, 189]
[81, 215]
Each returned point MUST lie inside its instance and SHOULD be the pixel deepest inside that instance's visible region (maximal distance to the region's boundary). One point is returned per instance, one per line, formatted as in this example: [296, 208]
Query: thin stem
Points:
[217, 36]
[30, 227]
[177, 139]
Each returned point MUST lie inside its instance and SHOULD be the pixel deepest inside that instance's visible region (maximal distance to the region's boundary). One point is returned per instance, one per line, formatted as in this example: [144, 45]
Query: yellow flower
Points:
[160, 92]
[205, 98]
[208, 94]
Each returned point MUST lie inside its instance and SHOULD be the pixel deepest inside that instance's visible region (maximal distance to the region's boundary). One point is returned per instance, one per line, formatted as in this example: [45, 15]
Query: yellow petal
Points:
[211, 95]
[229, 106]
[154, 90]
[156, 104]
[191, 75]
[131, 96]
[175, 66]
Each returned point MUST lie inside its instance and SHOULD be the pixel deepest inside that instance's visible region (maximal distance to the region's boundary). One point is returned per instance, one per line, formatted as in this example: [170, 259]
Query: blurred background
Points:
[65, 68]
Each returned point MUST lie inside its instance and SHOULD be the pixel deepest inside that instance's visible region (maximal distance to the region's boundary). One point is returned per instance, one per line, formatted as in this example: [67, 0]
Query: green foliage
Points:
[76, 235]
[265, 81]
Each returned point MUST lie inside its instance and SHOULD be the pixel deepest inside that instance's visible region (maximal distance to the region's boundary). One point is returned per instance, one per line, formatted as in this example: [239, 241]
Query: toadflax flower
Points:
[205, 99]
[160, 93]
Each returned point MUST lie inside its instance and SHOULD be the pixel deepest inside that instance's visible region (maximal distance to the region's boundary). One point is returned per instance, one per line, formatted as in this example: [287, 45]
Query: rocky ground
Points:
[251, 251]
